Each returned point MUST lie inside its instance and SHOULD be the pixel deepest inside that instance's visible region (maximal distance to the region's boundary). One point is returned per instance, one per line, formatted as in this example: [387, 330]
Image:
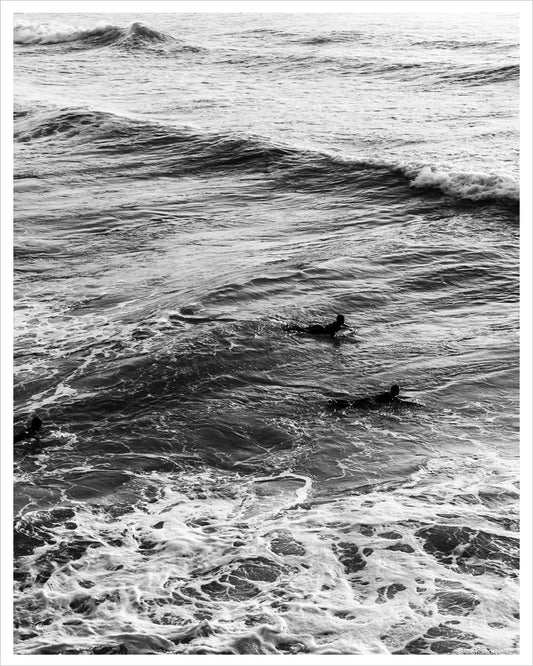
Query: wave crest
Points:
[30, 34]
[102, 34]
[463, 184]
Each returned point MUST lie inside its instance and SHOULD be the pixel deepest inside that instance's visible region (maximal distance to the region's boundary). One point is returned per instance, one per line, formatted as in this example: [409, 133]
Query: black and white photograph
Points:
[265, 332]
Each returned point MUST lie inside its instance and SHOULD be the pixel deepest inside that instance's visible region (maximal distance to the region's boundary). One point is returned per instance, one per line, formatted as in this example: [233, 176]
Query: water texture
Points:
[185, 187]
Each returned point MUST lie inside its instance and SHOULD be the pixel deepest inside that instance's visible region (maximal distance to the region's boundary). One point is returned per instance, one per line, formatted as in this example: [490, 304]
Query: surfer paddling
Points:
[320, 329]
[387, 399]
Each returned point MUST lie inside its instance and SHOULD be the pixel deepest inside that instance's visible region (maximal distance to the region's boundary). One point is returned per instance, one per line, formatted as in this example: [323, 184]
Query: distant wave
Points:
[336, 36]
[401, 67]
[25, 33]
[462, 44]
[338, 64]
[135, 35]
[173, 151]
[484, 75]
[351, 36]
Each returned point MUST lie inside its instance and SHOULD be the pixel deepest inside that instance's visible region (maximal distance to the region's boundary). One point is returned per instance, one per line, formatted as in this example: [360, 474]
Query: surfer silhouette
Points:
[320, 329]
[386, 399]
[29, 432]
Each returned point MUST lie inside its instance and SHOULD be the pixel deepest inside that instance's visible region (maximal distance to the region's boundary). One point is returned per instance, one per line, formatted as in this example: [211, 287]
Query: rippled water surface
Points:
[186, 186]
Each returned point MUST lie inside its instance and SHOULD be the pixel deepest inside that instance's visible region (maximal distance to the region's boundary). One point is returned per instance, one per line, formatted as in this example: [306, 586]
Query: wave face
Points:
[181, 215]
[173, 151]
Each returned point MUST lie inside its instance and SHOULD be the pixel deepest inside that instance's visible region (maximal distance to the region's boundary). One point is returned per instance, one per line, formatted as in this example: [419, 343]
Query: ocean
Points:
[186, 188]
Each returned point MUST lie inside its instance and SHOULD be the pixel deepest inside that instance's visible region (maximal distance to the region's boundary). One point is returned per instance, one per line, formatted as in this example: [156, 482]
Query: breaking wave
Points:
[463, 184]
[172, 151]
[135, 35]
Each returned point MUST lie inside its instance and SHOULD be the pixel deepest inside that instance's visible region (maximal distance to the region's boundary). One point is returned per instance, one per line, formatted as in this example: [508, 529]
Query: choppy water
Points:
[185, 186]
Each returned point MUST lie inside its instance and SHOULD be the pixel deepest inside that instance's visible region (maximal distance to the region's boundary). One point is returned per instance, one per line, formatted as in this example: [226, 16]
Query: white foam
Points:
[156, 568]
[25, 32]
[466, 185]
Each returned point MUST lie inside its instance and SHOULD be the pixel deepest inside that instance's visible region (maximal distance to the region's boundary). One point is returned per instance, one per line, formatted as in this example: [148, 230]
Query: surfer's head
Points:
[394, 389]
[340, 320]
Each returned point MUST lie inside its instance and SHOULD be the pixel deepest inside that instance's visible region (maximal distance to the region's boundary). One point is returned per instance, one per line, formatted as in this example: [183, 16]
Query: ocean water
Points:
[186, 185]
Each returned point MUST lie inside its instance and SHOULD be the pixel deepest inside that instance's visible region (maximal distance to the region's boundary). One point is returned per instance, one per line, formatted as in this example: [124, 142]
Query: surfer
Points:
[388, 398]
[31, 431]
[319, 329]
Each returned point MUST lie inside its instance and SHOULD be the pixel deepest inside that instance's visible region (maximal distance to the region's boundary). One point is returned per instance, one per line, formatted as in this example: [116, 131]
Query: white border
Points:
[10, 7]
[526, 330]
[267, 6]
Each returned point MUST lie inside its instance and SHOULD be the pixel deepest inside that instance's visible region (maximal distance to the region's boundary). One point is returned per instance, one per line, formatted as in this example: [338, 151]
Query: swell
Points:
[455, 44]
[484, 75]
[149, 149]
[362, 37]
[335, 37]
[342, 65]
[207, 391]
[178, 360]
[410, 66]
